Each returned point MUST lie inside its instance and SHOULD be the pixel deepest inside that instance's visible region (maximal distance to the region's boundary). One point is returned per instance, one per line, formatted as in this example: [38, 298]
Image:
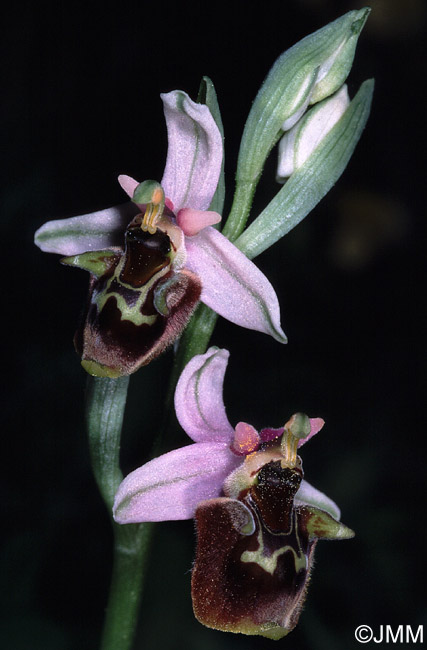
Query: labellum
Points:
[139, 298]
[255, 545]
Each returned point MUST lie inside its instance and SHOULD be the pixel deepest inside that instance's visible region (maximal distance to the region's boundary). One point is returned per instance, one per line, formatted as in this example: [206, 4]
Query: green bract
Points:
[306, 73]
[309, 184]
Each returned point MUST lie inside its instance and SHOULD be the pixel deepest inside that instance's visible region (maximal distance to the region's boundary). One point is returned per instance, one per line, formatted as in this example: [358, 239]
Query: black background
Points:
[80, 104]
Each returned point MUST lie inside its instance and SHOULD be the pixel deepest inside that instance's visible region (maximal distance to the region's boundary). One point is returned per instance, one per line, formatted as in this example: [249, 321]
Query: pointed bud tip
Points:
[362, 17]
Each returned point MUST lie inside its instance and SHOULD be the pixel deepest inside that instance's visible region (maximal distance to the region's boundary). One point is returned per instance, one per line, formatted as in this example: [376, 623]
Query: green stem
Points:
[131, 546]
[105, 405]
[195, 338]
[240, 209]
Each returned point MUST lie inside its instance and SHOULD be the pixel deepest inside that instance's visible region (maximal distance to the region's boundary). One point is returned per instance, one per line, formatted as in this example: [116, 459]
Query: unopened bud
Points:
[297, 144]
[305, 74]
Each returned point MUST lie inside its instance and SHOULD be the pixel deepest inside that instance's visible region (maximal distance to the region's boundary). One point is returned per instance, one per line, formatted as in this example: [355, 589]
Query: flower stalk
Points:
[131, 547]
[105, 406]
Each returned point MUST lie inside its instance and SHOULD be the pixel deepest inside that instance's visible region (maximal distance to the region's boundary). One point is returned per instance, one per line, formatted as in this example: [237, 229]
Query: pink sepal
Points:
[199, 404]
[195, 151]
[171, 486]
[232, 285]
[309, 495]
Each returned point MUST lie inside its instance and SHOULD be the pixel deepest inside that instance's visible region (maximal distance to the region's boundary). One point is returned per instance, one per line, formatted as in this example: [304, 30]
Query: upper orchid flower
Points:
[148, 275]
[257, 519]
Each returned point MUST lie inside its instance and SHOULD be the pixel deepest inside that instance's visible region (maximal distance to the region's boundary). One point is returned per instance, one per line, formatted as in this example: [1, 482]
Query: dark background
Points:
[80, 103]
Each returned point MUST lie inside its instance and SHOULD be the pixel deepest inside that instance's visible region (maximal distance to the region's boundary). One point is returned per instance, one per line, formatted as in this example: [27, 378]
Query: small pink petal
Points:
[193, 221]
[246, 439]
[128, 184]
[270, 434]
[315, 425]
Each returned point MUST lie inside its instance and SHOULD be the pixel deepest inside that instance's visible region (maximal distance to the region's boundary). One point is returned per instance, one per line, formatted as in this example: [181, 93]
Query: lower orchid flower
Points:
[152, 259]
[258, 520]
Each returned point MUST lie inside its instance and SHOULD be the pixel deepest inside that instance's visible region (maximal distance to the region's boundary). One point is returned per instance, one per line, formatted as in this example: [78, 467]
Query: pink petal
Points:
[87, 232]
[195, 152]
[171, 486]
[315, 425]
[128, 184]
[270, 434]
[309, 495]
[193, 221]
[198, 398]
[246, 439]
[232, 285]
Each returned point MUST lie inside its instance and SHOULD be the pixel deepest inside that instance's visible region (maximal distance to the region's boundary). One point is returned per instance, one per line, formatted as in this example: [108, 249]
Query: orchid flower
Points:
[258, 520]
[153, 258]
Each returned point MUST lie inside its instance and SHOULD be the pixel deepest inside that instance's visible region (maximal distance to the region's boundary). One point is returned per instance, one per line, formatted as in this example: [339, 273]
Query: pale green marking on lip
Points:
[99, 370]
[269, 562]
[133, 313]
